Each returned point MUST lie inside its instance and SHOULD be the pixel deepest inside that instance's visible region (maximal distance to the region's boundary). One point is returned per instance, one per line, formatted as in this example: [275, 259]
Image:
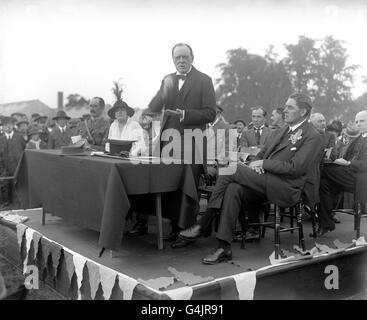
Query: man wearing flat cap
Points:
[22, 127]
[60, 135]
[95, 127]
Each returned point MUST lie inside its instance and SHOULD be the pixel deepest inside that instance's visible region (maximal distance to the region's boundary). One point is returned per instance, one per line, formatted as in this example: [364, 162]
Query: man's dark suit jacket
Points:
[329, 140]
[196, 97]
[357, 155]
[58, 139]
[11, 151]
[249, 137]
[310, 195]
[287, 165]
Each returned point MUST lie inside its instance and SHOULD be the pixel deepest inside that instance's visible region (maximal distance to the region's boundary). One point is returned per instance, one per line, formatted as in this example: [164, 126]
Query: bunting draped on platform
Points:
[75, 264]
[240, 286]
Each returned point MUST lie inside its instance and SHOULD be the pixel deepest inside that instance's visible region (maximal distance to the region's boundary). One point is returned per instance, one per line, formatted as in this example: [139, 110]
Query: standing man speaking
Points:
[188, 99]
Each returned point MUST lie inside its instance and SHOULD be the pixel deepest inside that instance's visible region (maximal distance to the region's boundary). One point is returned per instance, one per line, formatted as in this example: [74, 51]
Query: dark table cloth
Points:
[96, 193]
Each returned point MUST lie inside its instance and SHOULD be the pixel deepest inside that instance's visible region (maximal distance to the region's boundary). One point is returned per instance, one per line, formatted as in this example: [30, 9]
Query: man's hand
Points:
[257, 166]
[342, 162]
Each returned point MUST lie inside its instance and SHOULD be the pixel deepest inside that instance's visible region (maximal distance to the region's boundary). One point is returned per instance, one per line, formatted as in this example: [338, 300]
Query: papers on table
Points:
[75, 139]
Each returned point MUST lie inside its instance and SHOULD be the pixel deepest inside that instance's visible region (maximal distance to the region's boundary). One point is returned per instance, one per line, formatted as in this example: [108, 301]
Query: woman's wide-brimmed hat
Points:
[119, 104]
[61, 115]
[34, 130]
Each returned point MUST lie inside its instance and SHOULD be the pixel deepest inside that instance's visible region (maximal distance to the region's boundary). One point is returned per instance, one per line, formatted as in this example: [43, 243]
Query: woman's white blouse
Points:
[131, 131]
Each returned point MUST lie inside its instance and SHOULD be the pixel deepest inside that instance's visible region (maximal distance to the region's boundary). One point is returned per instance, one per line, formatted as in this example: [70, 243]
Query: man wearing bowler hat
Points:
[60, 135]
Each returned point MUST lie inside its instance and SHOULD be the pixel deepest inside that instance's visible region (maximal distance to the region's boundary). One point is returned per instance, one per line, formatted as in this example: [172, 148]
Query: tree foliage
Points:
[75, 100]
[249, 80]
[317, 67]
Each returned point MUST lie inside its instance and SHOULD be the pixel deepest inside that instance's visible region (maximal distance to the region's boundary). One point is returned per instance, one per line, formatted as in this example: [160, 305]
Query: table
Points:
[97, 193]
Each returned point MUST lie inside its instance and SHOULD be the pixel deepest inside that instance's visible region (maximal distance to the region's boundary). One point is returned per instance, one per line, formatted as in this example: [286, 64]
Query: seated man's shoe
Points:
[322, 231]
[218, 256]
[170, 237]
[335, 219]
[140, 228]
[251, 235]
[180, 243]
[191, 233]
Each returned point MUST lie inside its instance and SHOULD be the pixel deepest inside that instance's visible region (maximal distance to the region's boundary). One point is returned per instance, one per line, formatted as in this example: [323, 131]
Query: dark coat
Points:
[98, 129]
[329, 140]
[249, 138]
[196, 98]
[57, 139]
[357, 155]
[287, 165]
[11, 151]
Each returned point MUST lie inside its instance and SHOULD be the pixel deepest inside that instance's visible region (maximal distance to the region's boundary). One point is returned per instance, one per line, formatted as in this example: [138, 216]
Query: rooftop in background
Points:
[28, 107]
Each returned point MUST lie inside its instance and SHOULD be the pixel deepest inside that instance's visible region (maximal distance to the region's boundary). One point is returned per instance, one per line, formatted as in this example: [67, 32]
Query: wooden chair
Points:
[294, 212]
[359, 202]
[358, 211]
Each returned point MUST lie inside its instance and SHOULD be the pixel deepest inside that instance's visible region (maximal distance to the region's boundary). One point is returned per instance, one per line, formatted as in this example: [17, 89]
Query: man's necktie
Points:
[257, 136]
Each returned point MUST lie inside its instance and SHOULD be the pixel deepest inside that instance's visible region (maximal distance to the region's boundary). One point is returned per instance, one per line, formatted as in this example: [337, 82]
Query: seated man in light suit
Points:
[278, 174]
[343, 175]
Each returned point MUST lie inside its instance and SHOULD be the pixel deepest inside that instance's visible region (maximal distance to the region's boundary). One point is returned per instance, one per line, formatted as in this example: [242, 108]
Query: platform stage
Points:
[67, 260]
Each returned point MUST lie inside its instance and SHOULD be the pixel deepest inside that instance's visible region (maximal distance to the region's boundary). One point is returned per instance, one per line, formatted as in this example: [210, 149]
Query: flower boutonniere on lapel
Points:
[296, 136]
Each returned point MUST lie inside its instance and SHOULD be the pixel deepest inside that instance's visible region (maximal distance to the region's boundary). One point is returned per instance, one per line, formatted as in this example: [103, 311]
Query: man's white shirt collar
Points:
[9, 135]
[293, 128]
[261, 127]
[62, 129]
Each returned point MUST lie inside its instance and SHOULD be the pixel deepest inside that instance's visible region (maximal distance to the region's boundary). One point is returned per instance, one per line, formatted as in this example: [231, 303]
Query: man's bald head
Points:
[318, 121]
[361, 121]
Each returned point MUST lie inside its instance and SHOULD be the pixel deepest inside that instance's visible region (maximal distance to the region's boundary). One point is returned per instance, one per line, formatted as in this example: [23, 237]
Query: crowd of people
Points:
[289, 161]
[18, 133]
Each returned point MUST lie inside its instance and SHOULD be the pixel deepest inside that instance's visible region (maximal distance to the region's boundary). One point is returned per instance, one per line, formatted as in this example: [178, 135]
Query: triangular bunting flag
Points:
[184, 293]
[94, 278]
[55, 251]
[245, 283]
[20, 233]
[36, 239]
[46, 248]
[79, 262]
[29, 237]
[108, 278]
[127, 286]
[70, 268]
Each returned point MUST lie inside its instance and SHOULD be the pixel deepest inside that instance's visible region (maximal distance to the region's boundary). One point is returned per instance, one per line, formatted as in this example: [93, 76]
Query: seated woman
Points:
[124, 128]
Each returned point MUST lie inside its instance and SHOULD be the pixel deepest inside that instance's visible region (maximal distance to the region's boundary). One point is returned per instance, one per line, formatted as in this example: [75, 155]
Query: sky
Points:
[82, 46]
